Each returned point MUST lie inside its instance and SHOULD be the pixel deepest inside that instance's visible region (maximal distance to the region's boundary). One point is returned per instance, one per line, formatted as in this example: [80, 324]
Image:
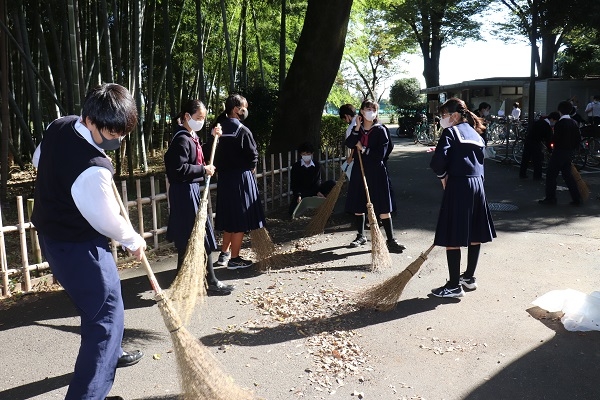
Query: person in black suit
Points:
[540, 134]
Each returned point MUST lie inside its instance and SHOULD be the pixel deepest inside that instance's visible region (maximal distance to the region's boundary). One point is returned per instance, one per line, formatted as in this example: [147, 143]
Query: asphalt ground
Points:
[295, 333]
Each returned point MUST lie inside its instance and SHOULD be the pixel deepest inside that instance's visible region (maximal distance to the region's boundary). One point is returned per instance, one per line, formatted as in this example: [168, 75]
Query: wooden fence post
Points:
[26, 281]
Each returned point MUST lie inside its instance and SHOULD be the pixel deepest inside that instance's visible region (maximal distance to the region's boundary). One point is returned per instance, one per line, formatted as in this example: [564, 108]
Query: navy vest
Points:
[65, 154]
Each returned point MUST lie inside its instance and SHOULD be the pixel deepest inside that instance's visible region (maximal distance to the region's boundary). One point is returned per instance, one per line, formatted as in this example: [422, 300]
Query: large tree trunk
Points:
[549, 49]
[311, 74]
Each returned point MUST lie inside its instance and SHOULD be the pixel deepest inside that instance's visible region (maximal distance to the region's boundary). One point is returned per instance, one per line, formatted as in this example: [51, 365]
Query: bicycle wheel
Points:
[593, 146]
[517, 150]
[580, 158]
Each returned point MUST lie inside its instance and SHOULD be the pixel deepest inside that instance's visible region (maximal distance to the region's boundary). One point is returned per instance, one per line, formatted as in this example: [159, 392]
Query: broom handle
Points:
[212, 158]
[145, 263]
[362, 170]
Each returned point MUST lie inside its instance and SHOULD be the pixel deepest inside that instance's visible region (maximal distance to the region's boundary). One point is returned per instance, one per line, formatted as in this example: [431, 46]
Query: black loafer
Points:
[129, 358]
[220, 288]
[547, 201]
[114, 398]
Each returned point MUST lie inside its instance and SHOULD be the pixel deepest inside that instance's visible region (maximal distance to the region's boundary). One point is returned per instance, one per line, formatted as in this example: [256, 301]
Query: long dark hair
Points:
[457, 105]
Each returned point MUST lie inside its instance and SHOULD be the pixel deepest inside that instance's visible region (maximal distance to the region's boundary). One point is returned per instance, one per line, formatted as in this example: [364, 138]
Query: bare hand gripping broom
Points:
[189, 284]
[380, 255]
[200, 374]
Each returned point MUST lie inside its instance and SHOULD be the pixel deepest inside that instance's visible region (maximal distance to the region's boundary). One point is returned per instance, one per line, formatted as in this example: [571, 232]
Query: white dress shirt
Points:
[94, 197]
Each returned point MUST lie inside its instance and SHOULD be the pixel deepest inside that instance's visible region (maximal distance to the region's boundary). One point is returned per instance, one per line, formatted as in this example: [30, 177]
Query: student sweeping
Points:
[371, 142]
[75, 211]
[186, 170]
[464, 219]
[239, 209]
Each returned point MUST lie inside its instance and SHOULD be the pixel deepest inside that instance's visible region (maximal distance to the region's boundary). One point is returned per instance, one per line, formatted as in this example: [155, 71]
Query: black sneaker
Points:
[359, 241]
[469, 283]
[223, 258]
[547, 201]
[238, 263]
[446, 291]
[220, 288]
[394, 246]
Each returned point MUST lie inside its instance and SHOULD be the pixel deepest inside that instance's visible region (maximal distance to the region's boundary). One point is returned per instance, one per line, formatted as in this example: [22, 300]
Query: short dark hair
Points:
[565, 107]
[110, 106]
[516, 104]
[306, 147]
[483, 106]
[233, 101]
[554, 115]
[347, 109]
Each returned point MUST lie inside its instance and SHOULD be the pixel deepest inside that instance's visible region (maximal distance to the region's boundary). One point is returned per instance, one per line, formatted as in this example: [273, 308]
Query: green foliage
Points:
[581, 57]
[404, 94]
[333, 131]
[262, 107]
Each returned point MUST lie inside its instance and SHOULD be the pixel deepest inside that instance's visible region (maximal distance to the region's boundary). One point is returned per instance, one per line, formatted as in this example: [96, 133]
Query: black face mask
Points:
[243, 115]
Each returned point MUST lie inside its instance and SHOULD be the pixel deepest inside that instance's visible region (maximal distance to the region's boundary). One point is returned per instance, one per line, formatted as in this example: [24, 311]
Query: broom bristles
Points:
[200, 372]
[319, 220]
[380, 255]
[385, 295]
[582, 186]
[189, 284]
[263, 247]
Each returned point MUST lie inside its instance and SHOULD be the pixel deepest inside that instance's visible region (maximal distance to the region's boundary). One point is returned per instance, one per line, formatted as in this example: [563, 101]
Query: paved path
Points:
[491, 344]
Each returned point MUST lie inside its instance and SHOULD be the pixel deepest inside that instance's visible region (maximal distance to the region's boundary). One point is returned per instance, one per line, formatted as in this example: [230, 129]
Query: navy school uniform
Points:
[186, 182]
[79, 257]
[464, 216]
[306, 182]
[239, 208]
[375, 143]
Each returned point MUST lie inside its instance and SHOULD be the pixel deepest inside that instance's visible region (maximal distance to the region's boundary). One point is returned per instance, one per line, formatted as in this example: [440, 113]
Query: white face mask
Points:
[445, 122]
[306, 159]
[370, 115]
[195, 125]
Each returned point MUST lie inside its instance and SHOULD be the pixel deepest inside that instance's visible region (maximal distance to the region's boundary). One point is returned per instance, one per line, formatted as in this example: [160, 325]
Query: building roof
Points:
[510, 81]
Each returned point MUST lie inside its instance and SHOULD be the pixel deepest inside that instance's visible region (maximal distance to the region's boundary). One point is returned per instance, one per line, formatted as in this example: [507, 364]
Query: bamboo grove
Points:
[163, 51]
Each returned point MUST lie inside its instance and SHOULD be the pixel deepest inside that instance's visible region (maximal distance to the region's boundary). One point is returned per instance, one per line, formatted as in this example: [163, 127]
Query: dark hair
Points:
[190, 107]
[371, 103]
[233, 101]
[457, 105]
[484, 105]
[347, 109]
[516, 104]
[110, 106]
[565, 107]
[306, 147]
[554, 115]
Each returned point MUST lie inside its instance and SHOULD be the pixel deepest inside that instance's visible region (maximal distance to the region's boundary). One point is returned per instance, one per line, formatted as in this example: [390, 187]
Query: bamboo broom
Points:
[380, 255]
[190, 282]
[582, 186]
[385, 295]
[200, 374]
[319, 220]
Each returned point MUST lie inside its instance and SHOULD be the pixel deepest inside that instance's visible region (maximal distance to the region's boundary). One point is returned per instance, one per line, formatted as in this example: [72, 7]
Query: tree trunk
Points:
[74, 55]
[227, 47]
[282, 36]
[546, 68]
[201, 78]
[3, 96]
[311, 74]
[260, 60]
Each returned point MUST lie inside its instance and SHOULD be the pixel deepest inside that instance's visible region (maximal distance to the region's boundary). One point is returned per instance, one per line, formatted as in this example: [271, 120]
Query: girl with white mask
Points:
[371, 142]
[464, 219]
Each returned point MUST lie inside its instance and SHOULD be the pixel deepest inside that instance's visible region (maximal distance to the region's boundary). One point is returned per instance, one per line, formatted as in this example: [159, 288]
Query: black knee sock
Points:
[453, 257]
[210, 271]
[180, 257]
[388, 227]
[472, 258]
[360, 224]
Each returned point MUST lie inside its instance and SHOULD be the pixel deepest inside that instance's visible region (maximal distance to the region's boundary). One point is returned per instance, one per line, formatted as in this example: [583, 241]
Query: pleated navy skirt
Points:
[379, 190]
[238, 203]
[184, 200]
[464, 216]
